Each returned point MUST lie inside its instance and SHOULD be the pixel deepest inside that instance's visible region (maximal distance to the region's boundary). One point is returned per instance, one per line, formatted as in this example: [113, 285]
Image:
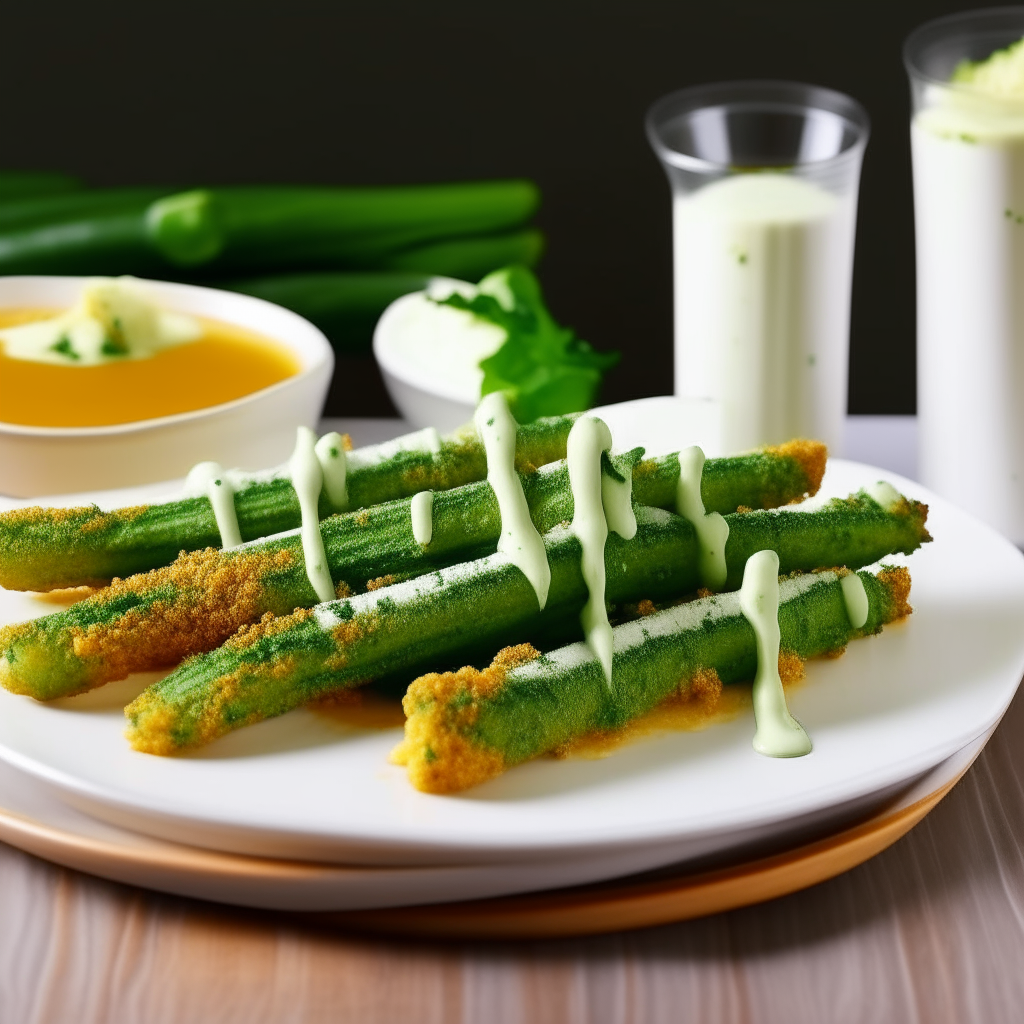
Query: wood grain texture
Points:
[932, 930]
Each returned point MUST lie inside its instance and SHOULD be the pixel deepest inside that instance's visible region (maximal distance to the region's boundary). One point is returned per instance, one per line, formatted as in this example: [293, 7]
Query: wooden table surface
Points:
[932, 930]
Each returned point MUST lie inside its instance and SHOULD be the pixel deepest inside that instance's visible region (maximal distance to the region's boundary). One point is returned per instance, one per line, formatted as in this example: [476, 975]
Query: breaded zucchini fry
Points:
[282, 663]
[465, 727]
[50, 548]
[155, 619]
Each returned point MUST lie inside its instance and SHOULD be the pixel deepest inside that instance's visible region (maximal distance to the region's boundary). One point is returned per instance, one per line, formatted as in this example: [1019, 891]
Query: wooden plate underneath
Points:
[623, 904]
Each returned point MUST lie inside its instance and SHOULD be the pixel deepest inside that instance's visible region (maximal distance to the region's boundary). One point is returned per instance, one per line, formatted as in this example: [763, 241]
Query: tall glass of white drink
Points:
[764, 179]
[967, 139]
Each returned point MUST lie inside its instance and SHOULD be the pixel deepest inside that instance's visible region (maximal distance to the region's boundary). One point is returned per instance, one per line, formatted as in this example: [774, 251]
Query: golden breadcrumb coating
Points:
[213, 596]
[812, 456]
[439, 759]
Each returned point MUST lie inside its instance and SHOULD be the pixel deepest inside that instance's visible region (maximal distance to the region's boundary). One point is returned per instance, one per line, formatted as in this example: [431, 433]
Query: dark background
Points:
[412, 91]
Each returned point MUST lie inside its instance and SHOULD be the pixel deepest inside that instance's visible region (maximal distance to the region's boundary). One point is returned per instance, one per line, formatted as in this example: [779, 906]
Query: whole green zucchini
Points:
[250, 228]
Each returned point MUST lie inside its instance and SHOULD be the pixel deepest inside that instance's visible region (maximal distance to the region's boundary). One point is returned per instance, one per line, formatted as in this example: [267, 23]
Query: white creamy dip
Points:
[438, 346]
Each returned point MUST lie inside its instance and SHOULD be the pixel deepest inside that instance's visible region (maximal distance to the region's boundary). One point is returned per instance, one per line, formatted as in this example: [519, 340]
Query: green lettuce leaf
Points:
[544, 369]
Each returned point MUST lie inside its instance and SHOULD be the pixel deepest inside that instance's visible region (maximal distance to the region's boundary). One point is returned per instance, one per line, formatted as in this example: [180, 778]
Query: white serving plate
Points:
[34, 818]
[300, 786]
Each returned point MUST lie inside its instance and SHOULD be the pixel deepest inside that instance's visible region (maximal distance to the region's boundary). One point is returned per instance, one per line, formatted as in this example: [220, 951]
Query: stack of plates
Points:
[305, 813]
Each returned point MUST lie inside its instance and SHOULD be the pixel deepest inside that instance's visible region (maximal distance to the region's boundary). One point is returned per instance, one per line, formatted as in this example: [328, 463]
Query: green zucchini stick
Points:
[75, 206]
[470, 258]
[463, 728]
[281, 663]
[50, 548]
[196, 603]
[252, 228]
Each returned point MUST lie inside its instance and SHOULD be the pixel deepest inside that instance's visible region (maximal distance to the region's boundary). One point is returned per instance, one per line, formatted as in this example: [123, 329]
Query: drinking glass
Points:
[764, 178]
[968, 160]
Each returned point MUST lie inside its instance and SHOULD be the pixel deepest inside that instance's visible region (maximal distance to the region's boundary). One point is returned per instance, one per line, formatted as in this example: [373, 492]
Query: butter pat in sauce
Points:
[113, 320]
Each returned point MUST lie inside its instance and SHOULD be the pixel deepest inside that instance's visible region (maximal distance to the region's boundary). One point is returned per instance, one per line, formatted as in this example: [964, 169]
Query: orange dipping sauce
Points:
[225, 363]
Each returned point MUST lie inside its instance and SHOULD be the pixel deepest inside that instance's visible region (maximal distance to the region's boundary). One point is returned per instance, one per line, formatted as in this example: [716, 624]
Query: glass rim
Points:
[770, 94]
[938, 28]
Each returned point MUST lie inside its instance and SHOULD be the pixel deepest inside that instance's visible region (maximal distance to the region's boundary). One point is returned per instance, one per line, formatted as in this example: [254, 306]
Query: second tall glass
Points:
[764, 179]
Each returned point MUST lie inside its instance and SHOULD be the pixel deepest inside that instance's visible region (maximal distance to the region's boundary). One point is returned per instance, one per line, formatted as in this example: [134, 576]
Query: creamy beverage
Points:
[763, 263]
[968, 153]
[764, 179]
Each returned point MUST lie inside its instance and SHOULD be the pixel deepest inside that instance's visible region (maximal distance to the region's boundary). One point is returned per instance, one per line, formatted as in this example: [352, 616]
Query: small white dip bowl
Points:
[435, 383]
[252, 432]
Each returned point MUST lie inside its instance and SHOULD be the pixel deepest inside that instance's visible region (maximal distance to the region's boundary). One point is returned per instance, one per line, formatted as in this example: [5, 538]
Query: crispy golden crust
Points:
[213, 597]
[151, 728]
[269, 625]
[791, 667]
[436, 752]
[82, 517]
[380, 582]
[812, 456]
[896, 579]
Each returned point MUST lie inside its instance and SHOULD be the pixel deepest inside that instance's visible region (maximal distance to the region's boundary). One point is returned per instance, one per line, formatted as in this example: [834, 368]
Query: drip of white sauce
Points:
[308, 479]
[588, 440]
[210, 479]
[330, 453]
[712, 529]
[856, 599]
[519, 539]
[617, 500]
[884, 493]
[421, 509]
[778, 733]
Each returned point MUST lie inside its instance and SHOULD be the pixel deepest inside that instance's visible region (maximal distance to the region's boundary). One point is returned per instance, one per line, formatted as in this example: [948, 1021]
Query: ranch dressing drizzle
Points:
[330, 453]
[778, 733]
[519, 539]
[712, 529]
[617, 499]
[421, 509]
[308, 480]
[856, 599]
[210, 479]
[587, 442]
[884, 493]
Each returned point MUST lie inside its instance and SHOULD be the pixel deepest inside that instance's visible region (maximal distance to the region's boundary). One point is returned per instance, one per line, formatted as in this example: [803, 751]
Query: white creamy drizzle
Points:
[330, 453]
[308, 480]
[856, 599]
[617, 499]
[519, 537]
[334, 613]
[421, 510]
[884, 493]
[210, 479]
[588, 439]
[669, 622]
[712, 529]
[778, 733]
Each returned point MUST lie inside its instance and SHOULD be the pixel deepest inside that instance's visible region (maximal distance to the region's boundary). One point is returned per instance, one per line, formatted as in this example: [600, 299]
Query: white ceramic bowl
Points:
[252, 432]
[443, 401]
